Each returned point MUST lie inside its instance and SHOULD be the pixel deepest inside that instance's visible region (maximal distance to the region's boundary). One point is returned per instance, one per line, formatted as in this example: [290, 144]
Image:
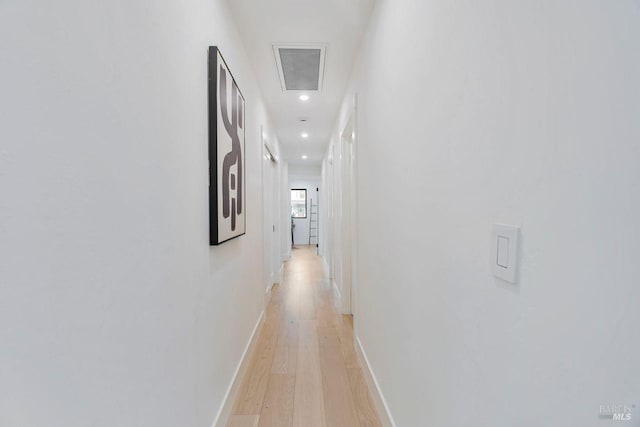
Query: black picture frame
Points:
[227, 171]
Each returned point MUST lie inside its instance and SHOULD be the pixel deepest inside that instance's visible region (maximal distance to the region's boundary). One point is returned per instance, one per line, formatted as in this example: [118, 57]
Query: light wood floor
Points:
[304, 371]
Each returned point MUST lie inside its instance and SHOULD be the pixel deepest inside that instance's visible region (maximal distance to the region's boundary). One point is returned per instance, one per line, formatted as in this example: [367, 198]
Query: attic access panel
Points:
[300, 67]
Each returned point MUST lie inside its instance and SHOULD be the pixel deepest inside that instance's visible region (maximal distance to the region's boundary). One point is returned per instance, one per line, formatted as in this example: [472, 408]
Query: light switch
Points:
[502, 258]
[504, 252]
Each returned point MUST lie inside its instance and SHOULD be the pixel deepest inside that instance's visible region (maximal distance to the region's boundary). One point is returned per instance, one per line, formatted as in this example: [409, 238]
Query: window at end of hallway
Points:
[298, 203]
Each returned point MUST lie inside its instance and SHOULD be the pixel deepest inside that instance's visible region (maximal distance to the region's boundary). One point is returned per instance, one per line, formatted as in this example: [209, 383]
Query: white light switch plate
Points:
[504, 252]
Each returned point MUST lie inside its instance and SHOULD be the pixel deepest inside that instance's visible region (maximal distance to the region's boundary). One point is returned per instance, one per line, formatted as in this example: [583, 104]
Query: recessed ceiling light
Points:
[304, 97]
[305, 135]
[304, 156]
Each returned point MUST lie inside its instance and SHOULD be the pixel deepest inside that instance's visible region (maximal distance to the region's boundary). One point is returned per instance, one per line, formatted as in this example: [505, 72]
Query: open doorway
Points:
[304, 184]
[271, 213]
[345, 233]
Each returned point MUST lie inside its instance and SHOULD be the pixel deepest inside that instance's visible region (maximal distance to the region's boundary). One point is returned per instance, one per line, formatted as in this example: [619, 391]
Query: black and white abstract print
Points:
[226, 153]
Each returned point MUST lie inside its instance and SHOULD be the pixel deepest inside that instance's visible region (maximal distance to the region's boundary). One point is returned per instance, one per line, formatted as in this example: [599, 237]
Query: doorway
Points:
[271, 213]
[346, 232]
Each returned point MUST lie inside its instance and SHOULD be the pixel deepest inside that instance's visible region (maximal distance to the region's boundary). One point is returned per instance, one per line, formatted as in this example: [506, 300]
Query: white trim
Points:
[325, 266]
[348, 213]
[243, 366]
[378, 398]
[354, 215]
[337, 296]
[269, 287]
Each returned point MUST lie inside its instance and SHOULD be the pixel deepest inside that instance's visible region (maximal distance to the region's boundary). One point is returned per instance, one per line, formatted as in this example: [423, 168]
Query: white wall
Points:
[309, 181]
[114, 310]
[522, 113]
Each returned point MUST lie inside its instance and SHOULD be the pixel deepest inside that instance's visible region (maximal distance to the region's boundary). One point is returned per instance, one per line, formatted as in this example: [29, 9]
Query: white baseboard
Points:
[227, 404]
[325, 265]
[378, 398]
[269, 287]
[337, 296]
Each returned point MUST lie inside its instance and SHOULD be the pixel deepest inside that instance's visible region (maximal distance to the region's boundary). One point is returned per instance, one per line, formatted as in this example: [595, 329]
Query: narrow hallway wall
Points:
[114, 310]
[522, 113]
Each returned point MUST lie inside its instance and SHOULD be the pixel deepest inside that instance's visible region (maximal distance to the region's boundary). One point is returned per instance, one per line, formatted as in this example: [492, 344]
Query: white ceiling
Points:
[337, 23]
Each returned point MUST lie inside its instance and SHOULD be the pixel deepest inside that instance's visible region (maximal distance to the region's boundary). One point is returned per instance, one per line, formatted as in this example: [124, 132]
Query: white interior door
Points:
[271, 210]
[347, 216]
[275, 215]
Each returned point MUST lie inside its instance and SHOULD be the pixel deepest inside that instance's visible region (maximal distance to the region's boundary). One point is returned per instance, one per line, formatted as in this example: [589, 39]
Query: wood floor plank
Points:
[277, 410]
[365, 408]
[328, 336]
[285, 359]
[325, 313]
[243, 421]
[308, 410]
[347, 344]
[292, 303]
[340, 407]
[286, 355]
[280, 360]
[288, 332]
[254, 385]
[307, 306]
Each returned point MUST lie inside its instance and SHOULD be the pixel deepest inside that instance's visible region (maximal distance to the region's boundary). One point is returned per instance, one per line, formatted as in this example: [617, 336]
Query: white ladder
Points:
[313, 222]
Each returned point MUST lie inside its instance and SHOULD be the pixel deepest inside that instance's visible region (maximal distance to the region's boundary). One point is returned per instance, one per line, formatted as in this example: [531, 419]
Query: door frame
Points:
[270, 205]
[349, 212]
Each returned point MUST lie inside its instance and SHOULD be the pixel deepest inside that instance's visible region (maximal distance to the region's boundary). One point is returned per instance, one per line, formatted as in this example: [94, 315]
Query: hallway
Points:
[304, 370]
[466, 174]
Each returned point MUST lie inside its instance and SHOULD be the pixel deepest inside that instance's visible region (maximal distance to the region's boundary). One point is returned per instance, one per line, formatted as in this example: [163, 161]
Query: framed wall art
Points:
[227, 195]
